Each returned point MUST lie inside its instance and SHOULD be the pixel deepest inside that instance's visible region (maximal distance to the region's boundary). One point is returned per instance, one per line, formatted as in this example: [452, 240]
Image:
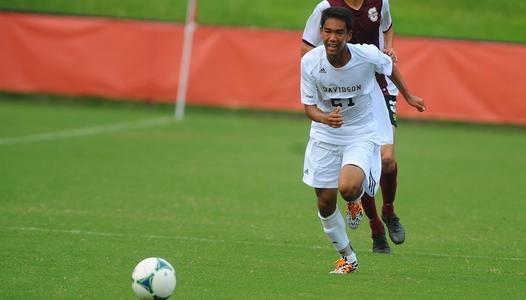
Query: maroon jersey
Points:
[367, 27]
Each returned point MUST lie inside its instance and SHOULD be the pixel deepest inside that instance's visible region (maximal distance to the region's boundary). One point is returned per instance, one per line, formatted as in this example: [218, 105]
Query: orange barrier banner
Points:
[465, 80]
[241, 67]
[89, 56]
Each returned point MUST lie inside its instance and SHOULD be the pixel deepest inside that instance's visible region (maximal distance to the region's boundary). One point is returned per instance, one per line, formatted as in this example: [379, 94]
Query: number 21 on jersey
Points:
[340, 102]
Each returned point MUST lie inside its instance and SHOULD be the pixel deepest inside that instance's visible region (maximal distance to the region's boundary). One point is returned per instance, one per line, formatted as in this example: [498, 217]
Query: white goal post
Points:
[184, 70]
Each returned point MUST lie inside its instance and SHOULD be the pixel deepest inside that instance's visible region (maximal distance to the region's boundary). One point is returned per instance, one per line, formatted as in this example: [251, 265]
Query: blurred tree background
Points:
[464, 19]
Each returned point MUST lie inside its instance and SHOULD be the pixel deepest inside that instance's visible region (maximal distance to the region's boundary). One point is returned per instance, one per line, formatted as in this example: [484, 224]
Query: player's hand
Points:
[416, 102]
[335, 119]
[391, 53]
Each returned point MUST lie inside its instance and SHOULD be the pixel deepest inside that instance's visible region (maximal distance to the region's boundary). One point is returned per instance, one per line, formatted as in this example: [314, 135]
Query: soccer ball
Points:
[153, 278]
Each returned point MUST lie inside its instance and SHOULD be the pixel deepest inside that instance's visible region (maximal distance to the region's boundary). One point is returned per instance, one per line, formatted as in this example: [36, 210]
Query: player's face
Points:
[335, 36]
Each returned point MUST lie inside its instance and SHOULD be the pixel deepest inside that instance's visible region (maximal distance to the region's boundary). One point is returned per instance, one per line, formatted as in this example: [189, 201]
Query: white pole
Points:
[184, 70]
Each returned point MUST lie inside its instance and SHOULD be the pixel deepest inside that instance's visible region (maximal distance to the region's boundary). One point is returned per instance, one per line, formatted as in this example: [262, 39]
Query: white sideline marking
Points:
[163, 237]
[72, 133]
[110, 234]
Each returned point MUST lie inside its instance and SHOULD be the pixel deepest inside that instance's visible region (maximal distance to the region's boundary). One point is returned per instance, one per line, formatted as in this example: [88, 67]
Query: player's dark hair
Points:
[339, 13]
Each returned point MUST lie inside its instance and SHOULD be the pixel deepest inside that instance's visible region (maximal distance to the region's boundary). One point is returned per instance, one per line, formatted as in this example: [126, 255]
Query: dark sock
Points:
[377, 227]
[369, 207]
[388, 184]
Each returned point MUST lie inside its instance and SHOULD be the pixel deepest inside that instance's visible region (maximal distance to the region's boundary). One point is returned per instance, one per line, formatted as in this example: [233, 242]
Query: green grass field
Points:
[471, 19]
[90, 188]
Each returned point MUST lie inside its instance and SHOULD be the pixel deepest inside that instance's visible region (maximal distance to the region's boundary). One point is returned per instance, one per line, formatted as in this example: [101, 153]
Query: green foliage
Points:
[468, 19]
[220, 196]
[174, 10]
[471, 19]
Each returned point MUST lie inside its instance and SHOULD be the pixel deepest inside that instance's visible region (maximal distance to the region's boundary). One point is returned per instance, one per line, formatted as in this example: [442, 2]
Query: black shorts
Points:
[390, 102]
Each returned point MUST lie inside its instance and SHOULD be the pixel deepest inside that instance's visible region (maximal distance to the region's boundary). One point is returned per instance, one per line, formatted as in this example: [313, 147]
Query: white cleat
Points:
[346, 265]
[354, 214]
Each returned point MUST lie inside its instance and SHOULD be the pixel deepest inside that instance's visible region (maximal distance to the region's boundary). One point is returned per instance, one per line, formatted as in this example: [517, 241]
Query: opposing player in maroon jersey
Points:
[372, 24]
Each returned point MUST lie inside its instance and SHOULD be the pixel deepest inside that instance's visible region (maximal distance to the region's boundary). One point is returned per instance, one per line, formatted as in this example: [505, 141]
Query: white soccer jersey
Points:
[353, 87]
[311, 33]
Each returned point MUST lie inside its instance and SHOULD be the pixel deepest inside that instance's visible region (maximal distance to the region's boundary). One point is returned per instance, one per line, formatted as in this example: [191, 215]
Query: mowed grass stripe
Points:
[79, 132]
[266, 244]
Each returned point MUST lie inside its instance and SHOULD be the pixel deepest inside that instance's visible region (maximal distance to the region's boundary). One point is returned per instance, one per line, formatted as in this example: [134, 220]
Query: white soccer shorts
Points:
[324, 161]
[384, 127]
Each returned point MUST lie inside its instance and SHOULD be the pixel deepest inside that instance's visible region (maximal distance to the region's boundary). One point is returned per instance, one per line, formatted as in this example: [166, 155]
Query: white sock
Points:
[334, 228]
[351, 257]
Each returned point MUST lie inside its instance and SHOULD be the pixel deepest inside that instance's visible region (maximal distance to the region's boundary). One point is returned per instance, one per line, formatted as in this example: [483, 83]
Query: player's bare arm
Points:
[334, 119]
[414, 101]
[389, 44]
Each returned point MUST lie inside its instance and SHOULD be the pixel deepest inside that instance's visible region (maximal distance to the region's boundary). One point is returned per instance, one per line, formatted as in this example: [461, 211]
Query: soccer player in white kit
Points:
[372, 24]
[338, 89]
